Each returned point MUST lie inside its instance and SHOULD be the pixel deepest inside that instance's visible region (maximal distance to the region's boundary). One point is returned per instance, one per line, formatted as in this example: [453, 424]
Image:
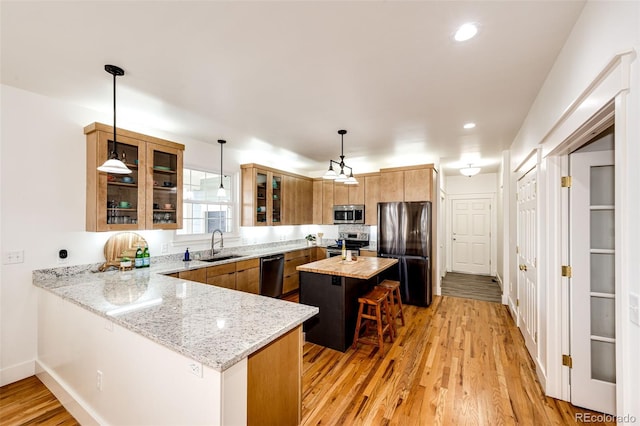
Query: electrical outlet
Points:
[164, 248]
[13, 256]
[195, 368]
[108, 325]
[99, 380]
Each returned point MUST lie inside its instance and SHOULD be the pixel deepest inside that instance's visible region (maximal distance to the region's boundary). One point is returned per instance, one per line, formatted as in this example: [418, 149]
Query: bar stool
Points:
[377, 305]
[396, 300]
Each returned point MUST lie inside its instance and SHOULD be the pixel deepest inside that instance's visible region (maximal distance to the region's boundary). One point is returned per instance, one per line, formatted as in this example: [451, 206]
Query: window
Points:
[203, 211]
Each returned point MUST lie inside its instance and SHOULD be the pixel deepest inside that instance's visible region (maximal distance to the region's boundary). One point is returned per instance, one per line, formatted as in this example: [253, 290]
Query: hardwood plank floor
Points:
[29, 402]
[457, 362]
[469, 286]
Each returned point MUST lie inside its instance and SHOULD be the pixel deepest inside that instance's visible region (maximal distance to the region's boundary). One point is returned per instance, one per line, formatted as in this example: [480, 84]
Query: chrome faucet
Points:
[213, 241]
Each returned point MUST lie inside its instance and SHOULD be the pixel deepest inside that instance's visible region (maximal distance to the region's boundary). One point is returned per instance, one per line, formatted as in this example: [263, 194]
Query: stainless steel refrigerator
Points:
[404, 233]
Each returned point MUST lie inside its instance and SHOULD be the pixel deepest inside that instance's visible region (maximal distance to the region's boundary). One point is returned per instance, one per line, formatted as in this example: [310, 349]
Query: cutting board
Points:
[120, 245]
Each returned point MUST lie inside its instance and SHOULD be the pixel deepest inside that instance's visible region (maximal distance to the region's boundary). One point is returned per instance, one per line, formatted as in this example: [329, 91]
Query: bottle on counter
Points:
[344, 250]
[139, 261]
[187, 256]
[146, 257]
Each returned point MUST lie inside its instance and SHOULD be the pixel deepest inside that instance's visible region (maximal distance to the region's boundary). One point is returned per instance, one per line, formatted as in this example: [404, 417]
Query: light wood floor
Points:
[457, 362]
[29, 402]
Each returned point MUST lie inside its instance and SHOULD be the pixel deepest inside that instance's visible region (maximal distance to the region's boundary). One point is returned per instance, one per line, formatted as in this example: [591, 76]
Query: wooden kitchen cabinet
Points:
[248, 276]
[340, 193]
[371, 199]
[292, 260]
[197, 275]
[317, 202]
[356, 192]
[274, 197]
[327, 202]
[151, 160]
[413, 183]
[222, 275]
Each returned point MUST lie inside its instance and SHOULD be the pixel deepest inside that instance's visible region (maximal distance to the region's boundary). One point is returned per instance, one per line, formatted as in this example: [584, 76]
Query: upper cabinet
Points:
[148, 198]
[274, 197]
[413, 183]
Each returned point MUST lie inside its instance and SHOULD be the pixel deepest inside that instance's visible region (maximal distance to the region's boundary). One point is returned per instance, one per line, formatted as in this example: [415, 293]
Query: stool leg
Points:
[357, 332]
[389, 320]
[380, 336]
[391, 311]
[399, 305]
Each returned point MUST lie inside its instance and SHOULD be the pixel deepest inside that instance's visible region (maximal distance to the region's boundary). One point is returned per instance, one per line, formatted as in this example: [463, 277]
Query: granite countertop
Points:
[363, 268]
[213, 325]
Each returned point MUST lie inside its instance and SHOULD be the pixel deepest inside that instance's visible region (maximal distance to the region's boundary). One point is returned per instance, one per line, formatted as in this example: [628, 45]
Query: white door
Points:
[527, 263]
[592, 285]
[471, 236]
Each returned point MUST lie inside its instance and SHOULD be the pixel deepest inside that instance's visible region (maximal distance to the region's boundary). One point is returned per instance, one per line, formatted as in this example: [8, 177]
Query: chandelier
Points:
[341, 177]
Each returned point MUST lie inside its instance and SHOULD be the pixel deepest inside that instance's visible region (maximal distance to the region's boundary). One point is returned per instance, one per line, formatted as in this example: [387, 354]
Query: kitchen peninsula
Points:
[334, 285]
[139, 347]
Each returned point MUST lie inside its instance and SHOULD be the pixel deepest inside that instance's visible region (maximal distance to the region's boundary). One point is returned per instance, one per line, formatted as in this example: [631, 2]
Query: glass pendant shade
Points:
[221, 191]
[330, 174]
[115, 166]
[341, 177]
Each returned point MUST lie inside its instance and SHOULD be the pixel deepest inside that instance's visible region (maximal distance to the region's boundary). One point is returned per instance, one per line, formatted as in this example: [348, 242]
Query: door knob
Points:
[453, 239]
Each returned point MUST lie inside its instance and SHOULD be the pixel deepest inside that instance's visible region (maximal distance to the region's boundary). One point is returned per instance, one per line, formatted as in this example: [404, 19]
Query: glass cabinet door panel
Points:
[276, 195]
[261, 198]
[165, 204]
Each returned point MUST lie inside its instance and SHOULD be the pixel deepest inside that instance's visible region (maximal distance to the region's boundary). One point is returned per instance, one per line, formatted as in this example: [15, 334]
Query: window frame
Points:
[234, 234]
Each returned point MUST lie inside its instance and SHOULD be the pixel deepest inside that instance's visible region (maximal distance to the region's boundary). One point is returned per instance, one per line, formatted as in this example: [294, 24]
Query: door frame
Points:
[493, 240]
[603, 101]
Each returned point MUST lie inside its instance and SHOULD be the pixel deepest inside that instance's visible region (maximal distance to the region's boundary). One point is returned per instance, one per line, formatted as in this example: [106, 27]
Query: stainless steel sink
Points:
[219, 258]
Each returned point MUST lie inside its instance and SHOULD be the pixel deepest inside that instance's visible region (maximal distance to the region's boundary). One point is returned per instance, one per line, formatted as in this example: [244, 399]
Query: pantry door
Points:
[527, 248]
[592, 282]
[471, 236]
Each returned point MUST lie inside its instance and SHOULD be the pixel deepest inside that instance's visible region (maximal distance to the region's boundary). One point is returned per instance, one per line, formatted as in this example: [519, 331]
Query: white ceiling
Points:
[278, 79]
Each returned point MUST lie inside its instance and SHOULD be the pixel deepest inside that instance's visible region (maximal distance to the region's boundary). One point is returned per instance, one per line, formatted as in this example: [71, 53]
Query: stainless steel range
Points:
[354, 241]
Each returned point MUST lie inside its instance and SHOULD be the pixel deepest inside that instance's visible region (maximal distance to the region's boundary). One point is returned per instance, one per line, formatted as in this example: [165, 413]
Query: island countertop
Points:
[363, 268]
[213, 325]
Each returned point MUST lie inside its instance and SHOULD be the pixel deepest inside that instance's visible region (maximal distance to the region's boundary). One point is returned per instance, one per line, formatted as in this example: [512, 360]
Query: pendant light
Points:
[342, 177]
[470, 171]
[113, 163]
[221, 190]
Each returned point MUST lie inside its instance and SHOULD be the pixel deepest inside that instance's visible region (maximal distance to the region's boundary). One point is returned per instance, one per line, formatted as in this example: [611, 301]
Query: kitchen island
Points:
[334, 285]
[138, 347]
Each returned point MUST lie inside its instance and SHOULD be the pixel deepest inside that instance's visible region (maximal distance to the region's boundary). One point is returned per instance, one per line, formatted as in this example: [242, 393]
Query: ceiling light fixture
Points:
[221, 190]
[470, 171]
[113, 163]
[466, 32]
[342, 177]
[469, 125]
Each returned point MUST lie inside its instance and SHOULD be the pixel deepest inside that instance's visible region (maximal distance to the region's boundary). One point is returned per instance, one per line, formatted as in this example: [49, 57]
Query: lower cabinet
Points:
[292, 260]
[248, 276]
[197, 275]
[222, 275]
[368, 253]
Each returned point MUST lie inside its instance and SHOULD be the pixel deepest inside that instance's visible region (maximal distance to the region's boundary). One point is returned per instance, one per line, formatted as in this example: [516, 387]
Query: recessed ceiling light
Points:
[465, 32]
[469, 125]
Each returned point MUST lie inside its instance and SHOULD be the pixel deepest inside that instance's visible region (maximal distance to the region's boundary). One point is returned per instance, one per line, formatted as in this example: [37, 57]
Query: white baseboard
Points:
[17, 372]
[67, 397]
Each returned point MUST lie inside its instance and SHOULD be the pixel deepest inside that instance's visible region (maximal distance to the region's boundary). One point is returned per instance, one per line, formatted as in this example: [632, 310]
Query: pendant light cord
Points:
[115, 142]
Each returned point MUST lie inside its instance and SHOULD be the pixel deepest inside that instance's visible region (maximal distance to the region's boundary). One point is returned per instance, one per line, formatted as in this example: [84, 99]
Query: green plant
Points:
[125, 259]
[310, 237]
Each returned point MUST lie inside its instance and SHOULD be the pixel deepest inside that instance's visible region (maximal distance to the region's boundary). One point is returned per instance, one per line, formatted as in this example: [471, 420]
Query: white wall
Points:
[482, 183]
[603, 30]
[43, 208]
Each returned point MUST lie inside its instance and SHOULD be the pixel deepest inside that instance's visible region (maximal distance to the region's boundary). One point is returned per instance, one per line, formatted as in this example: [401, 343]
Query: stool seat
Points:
[396, 300]
[377, 304]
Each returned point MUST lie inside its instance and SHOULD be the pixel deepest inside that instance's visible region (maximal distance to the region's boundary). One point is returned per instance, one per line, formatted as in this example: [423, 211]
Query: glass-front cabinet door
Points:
[276, 199]
[164, 180]
[262, 194]
[148, 198]
[115, 202]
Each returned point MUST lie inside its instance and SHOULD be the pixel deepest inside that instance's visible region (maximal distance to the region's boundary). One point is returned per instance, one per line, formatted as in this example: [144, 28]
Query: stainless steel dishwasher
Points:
[271, 275]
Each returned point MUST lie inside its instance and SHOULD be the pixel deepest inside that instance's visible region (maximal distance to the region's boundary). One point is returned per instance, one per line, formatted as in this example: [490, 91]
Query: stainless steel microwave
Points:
[351, 213]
